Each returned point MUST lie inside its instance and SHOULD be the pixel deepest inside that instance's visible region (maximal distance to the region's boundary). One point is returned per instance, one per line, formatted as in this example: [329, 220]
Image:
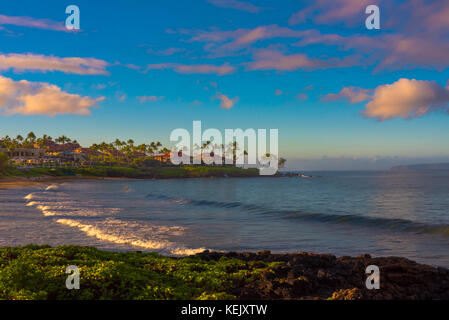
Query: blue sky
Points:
[342, 96]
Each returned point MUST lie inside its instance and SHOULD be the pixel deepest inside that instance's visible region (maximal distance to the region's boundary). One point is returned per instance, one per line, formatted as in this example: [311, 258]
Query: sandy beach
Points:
[18, 182]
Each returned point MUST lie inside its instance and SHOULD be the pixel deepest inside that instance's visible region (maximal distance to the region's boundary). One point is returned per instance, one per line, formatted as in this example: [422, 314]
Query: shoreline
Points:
[18, 182]
[213, 275]
[36, 176]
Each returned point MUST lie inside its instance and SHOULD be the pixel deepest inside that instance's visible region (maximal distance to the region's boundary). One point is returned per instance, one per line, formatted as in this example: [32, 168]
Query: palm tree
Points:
[152, 147]
[118, 144]
[31, 136]
[205, 145]
[142, 148]
[281, 162]
[197, 148]
[62, 139]
[155, 146]
[165, 150]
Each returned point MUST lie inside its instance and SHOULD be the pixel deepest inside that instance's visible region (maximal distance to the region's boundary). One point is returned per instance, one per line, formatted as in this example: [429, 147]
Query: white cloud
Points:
[40, 98]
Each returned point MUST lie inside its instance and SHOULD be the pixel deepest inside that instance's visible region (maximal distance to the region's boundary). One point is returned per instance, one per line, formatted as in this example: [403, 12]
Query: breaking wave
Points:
[118, 232]
[52, 187]
[28, 196]
[103, 227]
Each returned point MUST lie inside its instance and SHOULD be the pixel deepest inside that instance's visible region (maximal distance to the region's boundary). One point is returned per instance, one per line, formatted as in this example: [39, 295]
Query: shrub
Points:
[38, 272]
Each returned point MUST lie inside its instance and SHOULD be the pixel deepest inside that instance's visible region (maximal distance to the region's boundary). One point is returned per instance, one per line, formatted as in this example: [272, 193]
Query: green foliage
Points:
[38, 272]
[4, 162]
[143, 173]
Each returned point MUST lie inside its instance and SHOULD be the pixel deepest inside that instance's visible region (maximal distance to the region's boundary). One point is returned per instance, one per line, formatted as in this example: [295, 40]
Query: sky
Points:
[342, 96]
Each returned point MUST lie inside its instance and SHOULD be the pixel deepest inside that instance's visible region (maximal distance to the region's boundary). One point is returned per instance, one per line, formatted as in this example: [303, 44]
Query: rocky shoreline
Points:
[38, 272]
[320, 276]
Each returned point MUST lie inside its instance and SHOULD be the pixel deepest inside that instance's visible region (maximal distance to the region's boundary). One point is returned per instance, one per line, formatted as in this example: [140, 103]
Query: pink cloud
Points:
[237, 5]
[192, 69]
[267, 32]
[226, 102]
[275, 60]
[143, 99]
[39, 98]
[328, 12]
[354, 95]
[416, 50]
[32, 23]
[212, 35]
[392, 51]
[34, 62]
[165, 52]
[419, 15]
[301, 97]
[234, 40]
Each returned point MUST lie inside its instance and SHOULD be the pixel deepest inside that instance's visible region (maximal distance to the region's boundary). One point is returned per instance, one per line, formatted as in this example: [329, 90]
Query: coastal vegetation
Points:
[38, 272]
[131, 172]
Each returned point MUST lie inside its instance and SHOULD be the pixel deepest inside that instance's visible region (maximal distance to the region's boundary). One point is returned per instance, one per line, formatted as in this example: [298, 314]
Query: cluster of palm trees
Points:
[30, 140]
[129, 148]
[231, 148]
[119, 149]
[123, 151]
[125, 147]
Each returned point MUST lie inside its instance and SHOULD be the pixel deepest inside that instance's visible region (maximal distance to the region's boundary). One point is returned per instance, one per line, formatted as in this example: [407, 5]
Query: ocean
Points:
[343, 213]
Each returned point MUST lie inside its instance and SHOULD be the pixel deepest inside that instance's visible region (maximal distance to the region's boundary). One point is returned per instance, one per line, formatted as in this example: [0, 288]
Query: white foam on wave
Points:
[127, 233]
[28, 196]
[132, 233]
[59, 209]
[52, 187]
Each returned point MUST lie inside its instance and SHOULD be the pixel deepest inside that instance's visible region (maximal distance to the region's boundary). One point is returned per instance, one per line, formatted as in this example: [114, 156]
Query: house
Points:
[24, 153]
[161, 157]
[51, 146]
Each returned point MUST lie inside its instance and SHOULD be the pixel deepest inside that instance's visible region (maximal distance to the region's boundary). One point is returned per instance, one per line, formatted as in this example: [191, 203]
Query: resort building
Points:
[161, 157]
[24, 153]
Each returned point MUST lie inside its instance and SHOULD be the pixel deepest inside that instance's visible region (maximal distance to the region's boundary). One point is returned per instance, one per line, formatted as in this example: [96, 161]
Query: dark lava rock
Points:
[321, 276]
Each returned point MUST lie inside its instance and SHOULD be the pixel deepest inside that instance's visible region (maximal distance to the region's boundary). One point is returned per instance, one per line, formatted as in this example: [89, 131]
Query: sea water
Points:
[343, 213]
